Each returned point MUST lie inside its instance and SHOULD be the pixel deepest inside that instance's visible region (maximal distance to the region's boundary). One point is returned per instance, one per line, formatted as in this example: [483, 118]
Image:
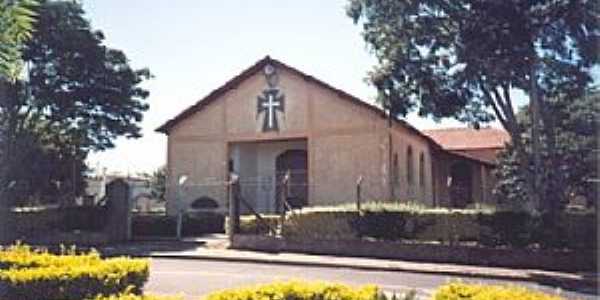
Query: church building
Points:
[272, 120]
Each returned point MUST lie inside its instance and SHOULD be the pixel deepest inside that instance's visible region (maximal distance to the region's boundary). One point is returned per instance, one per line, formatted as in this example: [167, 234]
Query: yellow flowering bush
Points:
[462, 291]
[37, 274]
[298, 290]
[23, 256]
[136, 297]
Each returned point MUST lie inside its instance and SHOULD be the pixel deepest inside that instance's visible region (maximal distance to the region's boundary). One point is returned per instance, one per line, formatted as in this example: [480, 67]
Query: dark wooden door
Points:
[461, 187]
[296, 162]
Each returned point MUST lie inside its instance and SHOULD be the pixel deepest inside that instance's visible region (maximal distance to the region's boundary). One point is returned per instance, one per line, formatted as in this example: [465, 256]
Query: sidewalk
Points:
[215, 249]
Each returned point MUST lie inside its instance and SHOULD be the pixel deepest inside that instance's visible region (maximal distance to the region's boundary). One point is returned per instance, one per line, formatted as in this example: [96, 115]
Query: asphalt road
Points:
[195, 278]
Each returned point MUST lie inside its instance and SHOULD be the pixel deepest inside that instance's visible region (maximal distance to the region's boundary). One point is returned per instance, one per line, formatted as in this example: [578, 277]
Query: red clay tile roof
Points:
[469, 138]
[481, 155]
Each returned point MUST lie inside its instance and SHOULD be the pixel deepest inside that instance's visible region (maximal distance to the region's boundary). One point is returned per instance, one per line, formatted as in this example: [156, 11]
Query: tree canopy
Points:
[570, 163]
[463, 58]
[450, 58]
[79, 95]
[79, 84]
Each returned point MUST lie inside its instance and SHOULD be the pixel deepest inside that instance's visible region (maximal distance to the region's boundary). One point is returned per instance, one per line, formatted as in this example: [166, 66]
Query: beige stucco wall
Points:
[415, 191]
[344, 141]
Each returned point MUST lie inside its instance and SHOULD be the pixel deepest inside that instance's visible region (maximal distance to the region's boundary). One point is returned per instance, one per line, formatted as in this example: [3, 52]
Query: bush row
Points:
[129, 296]
[324, 291]
[483, 227]
[461, 291]
[300, 291]
[28, 274]
[162, 225]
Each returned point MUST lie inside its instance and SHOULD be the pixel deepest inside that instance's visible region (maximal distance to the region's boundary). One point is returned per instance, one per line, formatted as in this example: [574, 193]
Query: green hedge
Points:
[88, 218]
[28, 274]
[481, 227]
[162, 225]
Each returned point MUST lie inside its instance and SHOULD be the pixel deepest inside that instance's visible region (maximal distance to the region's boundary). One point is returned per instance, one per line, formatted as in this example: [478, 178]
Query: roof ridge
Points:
[213, 94]
[259, 64]
[463, 129]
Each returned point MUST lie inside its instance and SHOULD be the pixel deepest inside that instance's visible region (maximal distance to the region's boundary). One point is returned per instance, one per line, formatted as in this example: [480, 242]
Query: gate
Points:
[291, 187]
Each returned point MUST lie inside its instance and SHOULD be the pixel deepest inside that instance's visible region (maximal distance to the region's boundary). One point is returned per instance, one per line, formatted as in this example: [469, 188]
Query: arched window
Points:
[422, 169]
[395, 170]
[409, 165]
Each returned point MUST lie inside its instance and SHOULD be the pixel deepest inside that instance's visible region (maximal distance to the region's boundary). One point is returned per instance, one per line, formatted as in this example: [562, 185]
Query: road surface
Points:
[195, 278]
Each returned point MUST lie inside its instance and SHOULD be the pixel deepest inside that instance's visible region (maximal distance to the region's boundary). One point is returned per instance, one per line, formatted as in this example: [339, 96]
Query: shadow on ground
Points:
[145, 246]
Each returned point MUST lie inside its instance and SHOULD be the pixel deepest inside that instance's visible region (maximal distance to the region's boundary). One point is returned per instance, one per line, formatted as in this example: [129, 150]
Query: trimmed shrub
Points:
[153, 225]
[28, 274]
[205, 202]
[510, 228]
[197, 223]
[297, 290]
[137, 297]
[395, 222]
[249, 224]
[323, 225]
[88, 218]
[22, 256]
[461, 291]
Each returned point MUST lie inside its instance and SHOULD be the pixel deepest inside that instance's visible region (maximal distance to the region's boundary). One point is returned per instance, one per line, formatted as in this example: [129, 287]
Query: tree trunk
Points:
[392, 191]
[536, 187]
[8, 94]
[553, 196]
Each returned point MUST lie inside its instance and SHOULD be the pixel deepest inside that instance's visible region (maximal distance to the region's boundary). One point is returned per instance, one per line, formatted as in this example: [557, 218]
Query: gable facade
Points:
[326, 137]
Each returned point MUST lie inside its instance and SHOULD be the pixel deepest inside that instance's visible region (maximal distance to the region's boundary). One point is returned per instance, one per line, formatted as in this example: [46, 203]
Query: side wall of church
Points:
[420, 188]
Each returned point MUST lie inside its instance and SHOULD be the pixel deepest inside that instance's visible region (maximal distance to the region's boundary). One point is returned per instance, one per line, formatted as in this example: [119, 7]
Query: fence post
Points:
[282, 200]
[358, 192]
[234, 206]
[117, 192]
[358, 202]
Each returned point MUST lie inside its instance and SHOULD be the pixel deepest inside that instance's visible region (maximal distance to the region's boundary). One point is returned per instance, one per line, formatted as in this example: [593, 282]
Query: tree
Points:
[46, 173]
[463, 58]
[571, 164]
[80, 94]
[17, 19]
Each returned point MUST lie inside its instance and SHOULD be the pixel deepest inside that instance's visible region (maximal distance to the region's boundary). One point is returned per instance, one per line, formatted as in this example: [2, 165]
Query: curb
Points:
[586, 282]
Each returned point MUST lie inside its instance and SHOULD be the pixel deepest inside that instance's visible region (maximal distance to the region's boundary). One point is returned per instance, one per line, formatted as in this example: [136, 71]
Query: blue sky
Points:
[193, 48]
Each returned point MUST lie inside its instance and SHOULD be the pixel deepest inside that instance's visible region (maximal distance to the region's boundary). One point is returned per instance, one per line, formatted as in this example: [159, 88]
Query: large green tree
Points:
[464, 58]
[78, 95]
[17, 19]
[571, 164]
[16, 25]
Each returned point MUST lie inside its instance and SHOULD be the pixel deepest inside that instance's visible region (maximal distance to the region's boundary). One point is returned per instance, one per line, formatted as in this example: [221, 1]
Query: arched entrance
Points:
[461, 187]
[296, 161]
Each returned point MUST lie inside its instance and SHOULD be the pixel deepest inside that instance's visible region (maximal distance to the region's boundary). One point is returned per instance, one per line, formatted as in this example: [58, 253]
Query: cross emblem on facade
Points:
[270, 102]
